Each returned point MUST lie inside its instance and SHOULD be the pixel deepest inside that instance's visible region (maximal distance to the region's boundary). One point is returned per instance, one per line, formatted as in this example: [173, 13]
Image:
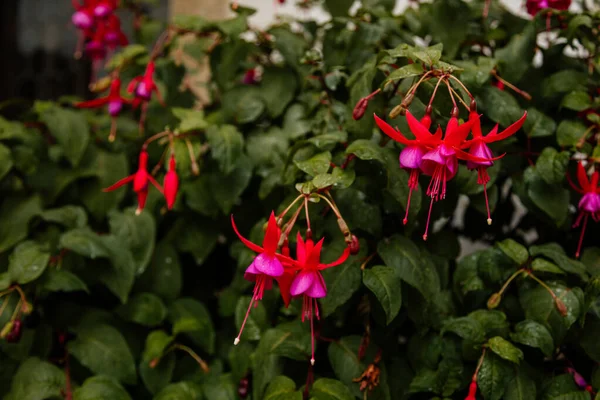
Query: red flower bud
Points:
[360, 108]
[171, 183]
[15, 334]
[354, 245]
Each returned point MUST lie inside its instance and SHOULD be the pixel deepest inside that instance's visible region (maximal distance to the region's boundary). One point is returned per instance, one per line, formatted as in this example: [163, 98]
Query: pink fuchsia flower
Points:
[411, 157]
[535, 6]
[309, 282]
[142, 87]
[267, 265]
[589, 205]
[140, 182]
[478, 147]
[441, 163]
[171, 183]
[114, 102]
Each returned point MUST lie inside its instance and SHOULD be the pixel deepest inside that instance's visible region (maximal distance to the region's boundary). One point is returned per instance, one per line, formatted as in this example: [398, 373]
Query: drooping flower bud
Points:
[360, 108]
[561, 307]
[171, 183]
[17, 331]
[494, 301]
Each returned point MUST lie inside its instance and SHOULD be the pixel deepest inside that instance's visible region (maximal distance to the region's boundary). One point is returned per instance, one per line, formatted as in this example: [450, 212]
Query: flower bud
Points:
[171, 183]
[398, 110]
[15, 334]
[354, 245]
[360, 108]
[26, 308]
[494, 301]
[561, 307]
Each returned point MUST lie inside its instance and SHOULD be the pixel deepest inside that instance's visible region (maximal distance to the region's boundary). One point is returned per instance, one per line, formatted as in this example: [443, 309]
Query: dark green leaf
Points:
[28, 262]
[101, 388]
[104, 351]
[385, 284]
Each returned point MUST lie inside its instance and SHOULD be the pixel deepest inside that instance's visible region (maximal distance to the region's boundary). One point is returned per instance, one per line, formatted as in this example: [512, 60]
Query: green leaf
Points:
[555, 252]
[493, 376]
[103, 350]
[330, 389]
[69, 216]
[385, 284]
[406, 71]
[405, 258]
[180, 391]
[70, 129]
[466, 327]
[338, 8]
[118, 279]
[515, 251]
[243, 104]
[551, 165]
[28, 262]
[226, 144]
[570, 133]
[516, 57]
[61, 280]
[101, 388]
[191, 120]
[37, 380]
[278, 88]
[282, 388]
[138, 232]
[365, 150]
[193, 319]
[145, 309]
[577, 101]
[16, 213]
[316, 165]
[6, 162]
[521, 387]
[538, 124]
[534, 334]
[156, 377]
[505, 349]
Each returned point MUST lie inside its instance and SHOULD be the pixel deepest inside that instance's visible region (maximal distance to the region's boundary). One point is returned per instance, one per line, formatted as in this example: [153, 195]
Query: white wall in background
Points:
[269, 9]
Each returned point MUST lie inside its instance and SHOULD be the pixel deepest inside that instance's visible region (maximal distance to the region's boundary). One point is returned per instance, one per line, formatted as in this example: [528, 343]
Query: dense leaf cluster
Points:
[117, 306]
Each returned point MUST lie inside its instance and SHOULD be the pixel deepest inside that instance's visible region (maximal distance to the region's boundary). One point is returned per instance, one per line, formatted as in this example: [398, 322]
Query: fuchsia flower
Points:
[411, 157]
[140, 182]
[535, 6]
[309, 282]
[171, 183]
[589, 205]
[478, 147]
[267, 265]
[114, 102]
[142, 87]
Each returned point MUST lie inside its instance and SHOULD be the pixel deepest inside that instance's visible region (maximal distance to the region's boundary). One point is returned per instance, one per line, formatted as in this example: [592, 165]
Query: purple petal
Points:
[590, 202]
[318, 289]
[268, 265]
[411, 157]
[302, 282]
[114, 108]
[481, 150]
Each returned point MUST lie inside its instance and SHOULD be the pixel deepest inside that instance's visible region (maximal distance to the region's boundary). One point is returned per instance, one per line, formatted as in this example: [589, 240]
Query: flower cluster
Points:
[99, 27]
[298, 277]
[589, 205]
[141, 179]
[437, 154]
